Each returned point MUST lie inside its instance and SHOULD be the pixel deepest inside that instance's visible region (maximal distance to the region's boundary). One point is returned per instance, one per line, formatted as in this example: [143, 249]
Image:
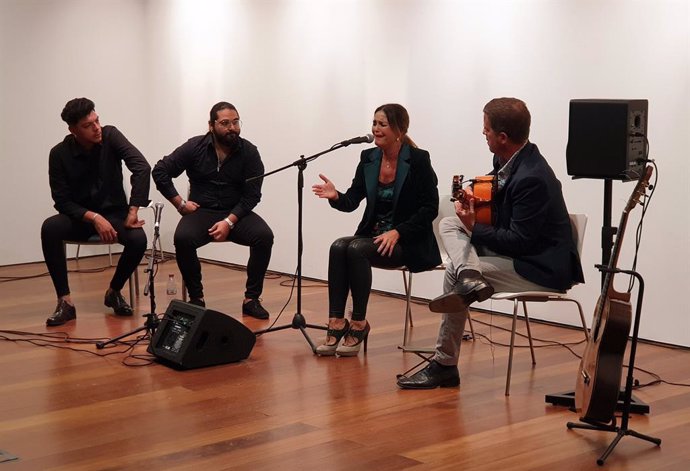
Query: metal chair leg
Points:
[469, 319]
[582, 318]
[407, 283]
[512, 344]
[529, 332]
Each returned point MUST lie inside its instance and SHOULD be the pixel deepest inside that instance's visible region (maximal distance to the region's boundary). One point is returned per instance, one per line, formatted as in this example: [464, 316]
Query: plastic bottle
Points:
[172, 286]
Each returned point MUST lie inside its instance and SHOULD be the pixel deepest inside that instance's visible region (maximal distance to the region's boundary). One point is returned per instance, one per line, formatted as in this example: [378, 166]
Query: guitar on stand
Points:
[599, 376]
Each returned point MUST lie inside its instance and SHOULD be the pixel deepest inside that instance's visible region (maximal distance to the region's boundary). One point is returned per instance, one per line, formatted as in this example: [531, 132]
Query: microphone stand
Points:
[152, 321]
[298, 320]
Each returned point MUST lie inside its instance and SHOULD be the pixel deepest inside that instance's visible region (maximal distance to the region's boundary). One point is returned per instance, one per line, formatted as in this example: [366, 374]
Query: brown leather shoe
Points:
[471, 287]
[64, 312]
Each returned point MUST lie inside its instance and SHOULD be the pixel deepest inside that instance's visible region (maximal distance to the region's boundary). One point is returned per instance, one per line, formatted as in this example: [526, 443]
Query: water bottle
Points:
[172, 286]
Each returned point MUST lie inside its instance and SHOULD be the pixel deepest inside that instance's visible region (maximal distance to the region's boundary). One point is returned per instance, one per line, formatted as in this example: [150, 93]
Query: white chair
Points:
[96, 240]
[578, 223]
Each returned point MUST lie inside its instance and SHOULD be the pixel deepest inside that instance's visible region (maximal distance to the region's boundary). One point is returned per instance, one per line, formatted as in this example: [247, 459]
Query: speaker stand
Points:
[298, 320]
[151, 323]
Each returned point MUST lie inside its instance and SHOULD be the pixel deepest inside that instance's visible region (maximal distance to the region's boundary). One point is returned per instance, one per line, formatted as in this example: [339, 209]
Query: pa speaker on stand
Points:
[607, 139]
[190, 336]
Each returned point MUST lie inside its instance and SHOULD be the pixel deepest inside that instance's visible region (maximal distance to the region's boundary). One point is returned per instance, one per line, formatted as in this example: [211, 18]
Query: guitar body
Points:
[483, 189]
[601, 367]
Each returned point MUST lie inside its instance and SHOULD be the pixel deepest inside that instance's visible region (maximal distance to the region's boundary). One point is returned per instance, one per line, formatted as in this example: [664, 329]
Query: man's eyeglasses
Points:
[230, 123]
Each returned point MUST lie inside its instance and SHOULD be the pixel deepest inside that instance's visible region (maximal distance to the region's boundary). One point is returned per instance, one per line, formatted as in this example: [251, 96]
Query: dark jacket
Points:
[532, 224]
[212, 186]
[83, 180]
[415, 203]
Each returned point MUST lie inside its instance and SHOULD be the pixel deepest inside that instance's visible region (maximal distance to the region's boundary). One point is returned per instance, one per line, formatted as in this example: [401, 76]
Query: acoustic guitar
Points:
[599, 375]
[483, 190]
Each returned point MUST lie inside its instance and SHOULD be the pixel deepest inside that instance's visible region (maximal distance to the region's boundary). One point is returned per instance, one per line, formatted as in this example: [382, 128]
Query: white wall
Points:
[306, 74]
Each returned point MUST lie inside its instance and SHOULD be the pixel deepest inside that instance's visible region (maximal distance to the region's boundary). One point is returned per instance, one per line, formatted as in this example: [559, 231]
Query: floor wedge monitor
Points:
[190, 336]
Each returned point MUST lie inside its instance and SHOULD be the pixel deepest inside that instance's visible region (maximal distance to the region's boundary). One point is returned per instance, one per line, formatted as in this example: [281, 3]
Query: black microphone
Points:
[358, 140]
[157, 212]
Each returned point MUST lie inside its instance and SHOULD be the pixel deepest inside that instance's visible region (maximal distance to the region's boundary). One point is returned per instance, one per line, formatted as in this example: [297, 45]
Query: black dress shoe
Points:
[115, 300]
[64, 312]
[433, 376]
[470, 287]
[254, 309]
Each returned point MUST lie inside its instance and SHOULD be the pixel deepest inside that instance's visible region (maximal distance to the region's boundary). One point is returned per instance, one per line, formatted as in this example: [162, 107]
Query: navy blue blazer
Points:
[415, 203]
[532, 224]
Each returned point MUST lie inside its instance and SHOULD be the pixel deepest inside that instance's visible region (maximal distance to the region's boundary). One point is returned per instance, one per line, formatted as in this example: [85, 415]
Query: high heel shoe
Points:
[362, 337]
[327, 349]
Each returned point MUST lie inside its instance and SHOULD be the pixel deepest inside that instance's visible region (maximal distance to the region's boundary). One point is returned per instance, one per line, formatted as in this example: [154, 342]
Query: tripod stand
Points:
[623, 430]
[298, 320]
[151, 322]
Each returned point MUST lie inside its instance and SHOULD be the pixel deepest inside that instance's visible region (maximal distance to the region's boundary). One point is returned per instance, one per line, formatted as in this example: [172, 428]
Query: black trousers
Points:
[56, 229]
[349, 271]
[251, 231]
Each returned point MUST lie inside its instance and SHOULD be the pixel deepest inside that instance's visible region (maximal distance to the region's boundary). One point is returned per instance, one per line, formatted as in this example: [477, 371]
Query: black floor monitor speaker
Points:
[607, 139]
[190, 336]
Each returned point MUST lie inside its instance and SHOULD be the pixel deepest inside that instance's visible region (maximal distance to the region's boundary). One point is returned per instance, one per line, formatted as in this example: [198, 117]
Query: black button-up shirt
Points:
[82, 180]
[211, 185]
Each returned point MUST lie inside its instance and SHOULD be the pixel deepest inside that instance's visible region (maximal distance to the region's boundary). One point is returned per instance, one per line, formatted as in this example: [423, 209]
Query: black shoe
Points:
[254, 308]
[115, 300]
[470, 287]
[197, 302]
[64, 312]
[433, 376]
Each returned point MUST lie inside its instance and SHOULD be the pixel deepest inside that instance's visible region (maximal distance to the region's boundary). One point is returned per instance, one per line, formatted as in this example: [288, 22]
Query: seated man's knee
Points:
[266, 237]
[182, 240]
[449, 223]
[137, 240]
[52, 227]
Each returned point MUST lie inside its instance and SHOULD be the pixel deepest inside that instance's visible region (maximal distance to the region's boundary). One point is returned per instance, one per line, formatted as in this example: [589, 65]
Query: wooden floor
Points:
[286, 409]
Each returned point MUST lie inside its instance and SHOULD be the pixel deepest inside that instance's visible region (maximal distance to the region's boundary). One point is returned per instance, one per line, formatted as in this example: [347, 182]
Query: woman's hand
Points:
[387, 242]
[327, 190]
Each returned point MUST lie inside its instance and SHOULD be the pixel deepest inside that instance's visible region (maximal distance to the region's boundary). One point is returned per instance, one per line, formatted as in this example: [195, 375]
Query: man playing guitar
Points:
[528, 245]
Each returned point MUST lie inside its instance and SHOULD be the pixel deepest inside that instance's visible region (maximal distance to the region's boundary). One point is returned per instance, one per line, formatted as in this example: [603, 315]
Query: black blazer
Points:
[415, 203]
[532, 224]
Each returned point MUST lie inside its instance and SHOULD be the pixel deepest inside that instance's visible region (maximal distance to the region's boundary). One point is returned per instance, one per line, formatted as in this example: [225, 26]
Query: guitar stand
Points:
[623, 430]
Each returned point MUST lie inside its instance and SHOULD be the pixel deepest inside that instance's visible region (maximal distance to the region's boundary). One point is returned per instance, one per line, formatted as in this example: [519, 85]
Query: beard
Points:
[227, 138]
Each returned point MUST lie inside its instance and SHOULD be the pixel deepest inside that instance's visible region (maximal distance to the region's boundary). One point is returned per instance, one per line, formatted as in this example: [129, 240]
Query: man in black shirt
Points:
[220, 202]
[85, 172]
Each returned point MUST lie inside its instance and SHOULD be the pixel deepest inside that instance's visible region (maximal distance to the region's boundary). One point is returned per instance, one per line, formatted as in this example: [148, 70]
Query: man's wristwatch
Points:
[181, 205]
[230, 223]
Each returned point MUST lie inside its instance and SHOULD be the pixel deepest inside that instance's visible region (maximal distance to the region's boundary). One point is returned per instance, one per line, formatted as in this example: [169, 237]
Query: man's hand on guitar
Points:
[466, 212]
